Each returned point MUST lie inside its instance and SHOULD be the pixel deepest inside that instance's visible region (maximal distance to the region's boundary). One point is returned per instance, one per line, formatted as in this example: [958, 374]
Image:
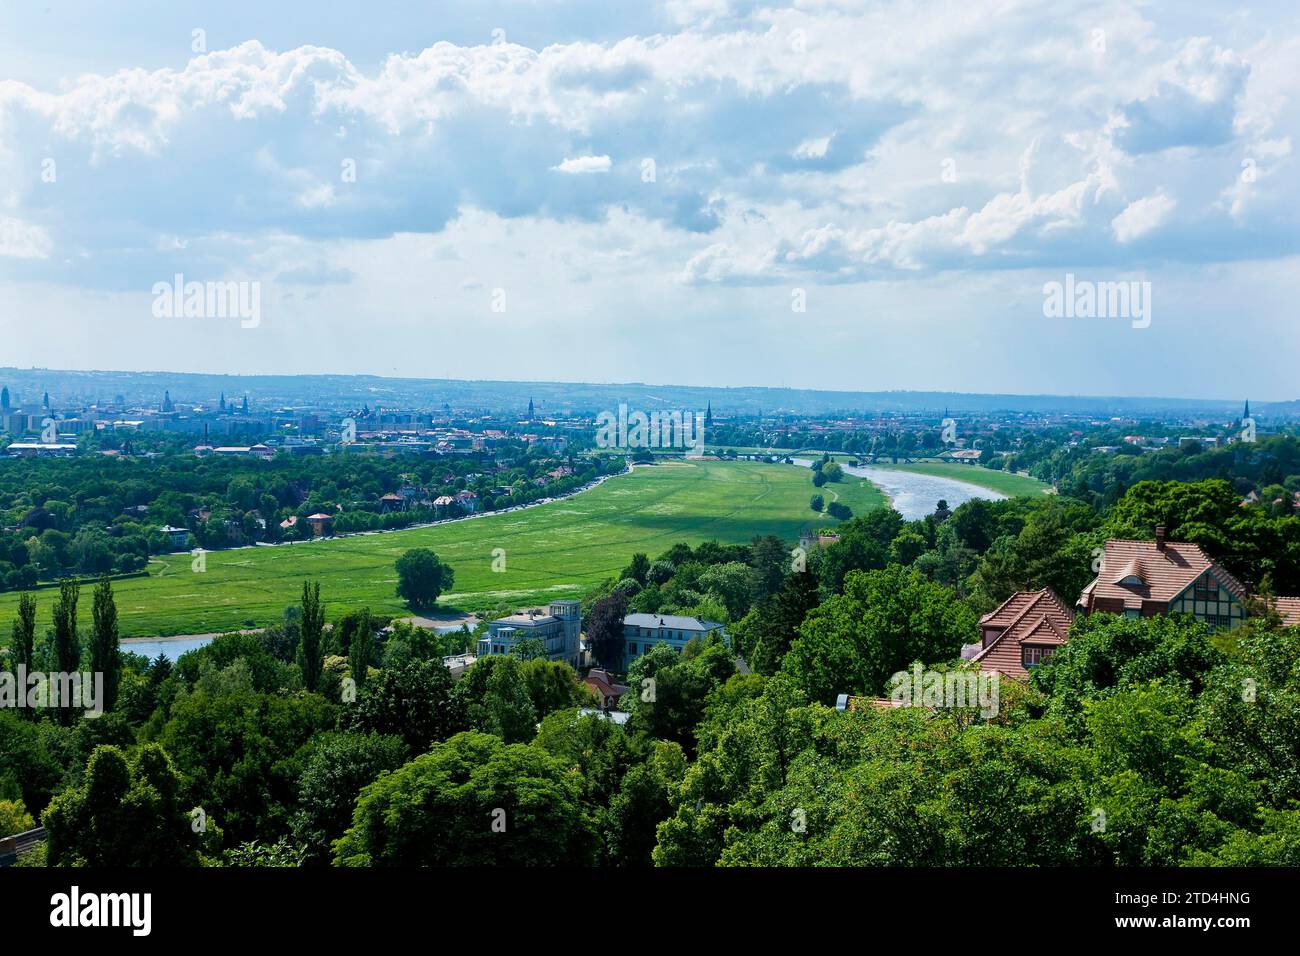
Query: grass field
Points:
[551, 551]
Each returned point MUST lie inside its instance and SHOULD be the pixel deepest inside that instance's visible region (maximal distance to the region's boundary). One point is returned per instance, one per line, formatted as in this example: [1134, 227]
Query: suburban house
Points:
[642, 632]
[1022, 633]
[467, 500]
[1136, 579]
[558, 631]
[607, 690]
[1145, 578]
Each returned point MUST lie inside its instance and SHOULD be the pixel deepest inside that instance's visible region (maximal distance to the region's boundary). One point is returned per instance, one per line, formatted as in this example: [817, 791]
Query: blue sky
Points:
[610, 192]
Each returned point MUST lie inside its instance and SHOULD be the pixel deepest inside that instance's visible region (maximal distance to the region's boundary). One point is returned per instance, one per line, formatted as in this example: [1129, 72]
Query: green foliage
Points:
[14, 818]
[239, 753]
[414, 701]
[472, 801]
[422, 577]
[123, 815]
[105, 657]
[882, 622]
[340, 766]
[311, 640]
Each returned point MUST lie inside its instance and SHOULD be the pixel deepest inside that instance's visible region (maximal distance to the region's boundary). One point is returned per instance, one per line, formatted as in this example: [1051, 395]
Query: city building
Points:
[642, 632]
[559, 632]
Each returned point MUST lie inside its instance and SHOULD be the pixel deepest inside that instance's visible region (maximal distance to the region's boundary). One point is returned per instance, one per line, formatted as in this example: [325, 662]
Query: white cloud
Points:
[584, 164]
[1142, 216]
[21, 240]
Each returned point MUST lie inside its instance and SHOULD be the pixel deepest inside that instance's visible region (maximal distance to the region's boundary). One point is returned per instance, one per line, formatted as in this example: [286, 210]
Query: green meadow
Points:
[550, 551]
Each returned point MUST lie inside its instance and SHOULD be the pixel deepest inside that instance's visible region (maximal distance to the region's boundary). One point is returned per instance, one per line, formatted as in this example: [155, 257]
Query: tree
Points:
[771, 560]
[337, 771]
[123, 815]
[311, 648]
[839, 510]
[508, 711]
[637, 570]
[472, 801]
[360, 646]
[14, 818]
[414, 701]
[883, 622]
[105, 654]
[604, 628]
[23, 635]
[817, 503]
[422, 577]
[67, 643]
[779, 625]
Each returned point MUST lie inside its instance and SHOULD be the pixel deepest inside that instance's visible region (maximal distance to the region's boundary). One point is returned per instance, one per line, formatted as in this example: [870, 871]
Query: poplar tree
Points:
[67, 644]
[105, 656]
[310, 648]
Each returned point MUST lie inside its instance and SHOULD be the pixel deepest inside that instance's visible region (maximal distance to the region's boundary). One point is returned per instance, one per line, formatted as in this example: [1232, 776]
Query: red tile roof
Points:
[1156, 575]
[1027, 617]
[1289, 608]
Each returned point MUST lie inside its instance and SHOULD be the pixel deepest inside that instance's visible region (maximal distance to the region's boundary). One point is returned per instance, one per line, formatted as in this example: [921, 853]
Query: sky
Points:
[828, 194]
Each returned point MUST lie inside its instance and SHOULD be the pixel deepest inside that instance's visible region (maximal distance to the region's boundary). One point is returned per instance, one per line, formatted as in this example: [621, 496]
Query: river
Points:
[914, 495]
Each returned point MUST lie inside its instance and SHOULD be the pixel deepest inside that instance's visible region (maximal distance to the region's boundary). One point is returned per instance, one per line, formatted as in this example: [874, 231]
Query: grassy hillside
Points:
[552, 550]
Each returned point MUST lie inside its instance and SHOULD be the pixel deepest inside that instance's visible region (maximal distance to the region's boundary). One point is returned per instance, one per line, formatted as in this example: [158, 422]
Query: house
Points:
[642, 632]
[177, 538]
[289, 522]
[321, 524]
[558, 631]
[264, 452]
[607, 690]
[1145, 578]
[391, 502]
[467, 500]
[1021, 633]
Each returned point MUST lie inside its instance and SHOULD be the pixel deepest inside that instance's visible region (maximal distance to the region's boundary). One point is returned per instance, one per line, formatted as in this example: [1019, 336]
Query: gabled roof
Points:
[1028, 617]
[1164, 574]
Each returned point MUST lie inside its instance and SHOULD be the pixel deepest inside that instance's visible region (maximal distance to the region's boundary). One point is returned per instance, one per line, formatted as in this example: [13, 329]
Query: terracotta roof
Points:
[1289, 608]
[1162, 574]
[1027, 617]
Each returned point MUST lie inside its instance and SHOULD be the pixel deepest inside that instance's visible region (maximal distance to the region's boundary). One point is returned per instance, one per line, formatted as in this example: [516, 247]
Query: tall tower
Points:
[708, 416]
[569, 614]
[531, 416]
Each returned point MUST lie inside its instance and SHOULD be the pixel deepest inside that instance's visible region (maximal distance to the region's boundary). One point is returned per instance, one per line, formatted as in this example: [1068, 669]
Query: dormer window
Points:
[1132, 579]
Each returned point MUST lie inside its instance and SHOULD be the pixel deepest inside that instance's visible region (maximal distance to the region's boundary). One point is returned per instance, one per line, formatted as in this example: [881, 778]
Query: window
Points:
[1031, 655]
[1206, 589]
[631, 649]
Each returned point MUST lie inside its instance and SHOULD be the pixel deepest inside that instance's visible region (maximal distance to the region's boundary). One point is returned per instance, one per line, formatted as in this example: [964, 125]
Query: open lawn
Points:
[551, 551]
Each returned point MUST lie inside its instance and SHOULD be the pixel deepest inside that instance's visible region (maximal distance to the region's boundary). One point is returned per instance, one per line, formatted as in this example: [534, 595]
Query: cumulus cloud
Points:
[1142, 216]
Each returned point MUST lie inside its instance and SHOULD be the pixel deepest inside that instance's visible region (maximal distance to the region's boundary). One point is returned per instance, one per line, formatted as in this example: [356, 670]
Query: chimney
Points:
[1160, 537]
